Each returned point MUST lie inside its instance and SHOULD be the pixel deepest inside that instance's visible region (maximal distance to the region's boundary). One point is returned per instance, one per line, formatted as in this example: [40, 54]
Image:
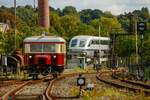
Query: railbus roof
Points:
[43, 39]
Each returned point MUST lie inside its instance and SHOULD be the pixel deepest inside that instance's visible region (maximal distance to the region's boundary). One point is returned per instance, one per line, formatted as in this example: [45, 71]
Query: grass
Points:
[108, 94]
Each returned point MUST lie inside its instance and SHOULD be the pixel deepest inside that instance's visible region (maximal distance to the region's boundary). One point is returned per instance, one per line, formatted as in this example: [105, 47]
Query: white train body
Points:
[89, 44]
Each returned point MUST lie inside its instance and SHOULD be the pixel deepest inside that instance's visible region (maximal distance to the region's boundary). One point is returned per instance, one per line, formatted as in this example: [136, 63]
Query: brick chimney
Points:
[43, 13]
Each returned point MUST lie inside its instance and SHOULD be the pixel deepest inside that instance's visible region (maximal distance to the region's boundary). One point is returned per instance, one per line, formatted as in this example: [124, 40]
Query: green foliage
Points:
[68, 23]
[6, 42]
[108, 24]
[85, 29]
[145, 13]
[108, 14]
[69, 10]
[85, 16]
[146, 48]
[28, 15]
[125, 46]
[55, 25]
[124, 22]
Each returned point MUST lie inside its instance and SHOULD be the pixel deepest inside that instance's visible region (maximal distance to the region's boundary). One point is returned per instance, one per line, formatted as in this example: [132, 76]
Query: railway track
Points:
[24, 91]
[13, 91]
[27, 90]
[129, 85]
[52, 96]
[6, 86]
[49, 94]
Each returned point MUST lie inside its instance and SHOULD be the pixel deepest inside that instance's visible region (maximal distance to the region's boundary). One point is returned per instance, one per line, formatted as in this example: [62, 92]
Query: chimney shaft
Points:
[43, 11]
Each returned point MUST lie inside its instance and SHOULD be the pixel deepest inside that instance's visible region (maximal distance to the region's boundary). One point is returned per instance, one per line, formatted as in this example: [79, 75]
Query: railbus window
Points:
[49, 47]
[35, 47]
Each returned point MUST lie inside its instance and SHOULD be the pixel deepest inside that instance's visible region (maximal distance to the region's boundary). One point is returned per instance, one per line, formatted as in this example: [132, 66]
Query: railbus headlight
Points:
[54, 56]
[30, 57]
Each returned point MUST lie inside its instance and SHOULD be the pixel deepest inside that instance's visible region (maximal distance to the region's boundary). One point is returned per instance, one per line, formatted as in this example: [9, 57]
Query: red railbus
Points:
[44, 54]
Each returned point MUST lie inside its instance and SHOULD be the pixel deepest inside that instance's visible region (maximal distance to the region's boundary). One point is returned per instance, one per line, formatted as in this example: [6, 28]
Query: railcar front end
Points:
[45, 54]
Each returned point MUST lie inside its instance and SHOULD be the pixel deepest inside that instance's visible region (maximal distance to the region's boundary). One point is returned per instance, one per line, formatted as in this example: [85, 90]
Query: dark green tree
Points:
[69, 10]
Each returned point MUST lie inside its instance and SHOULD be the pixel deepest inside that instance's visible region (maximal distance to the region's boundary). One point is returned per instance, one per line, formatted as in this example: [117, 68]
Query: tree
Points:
[96, 14]
[84, 29]
[145, 13]
[7, 42]
[70, 25]
[125, 46]
[69, 10]
[85, 16]
[124, 21]
[28, 15]
[108, 14]
[109, 24]
[55, 24]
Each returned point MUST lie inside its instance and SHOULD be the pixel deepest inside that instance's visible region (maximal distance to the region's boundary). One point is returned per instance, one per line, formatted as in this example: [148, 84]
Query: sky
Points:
[115, 6]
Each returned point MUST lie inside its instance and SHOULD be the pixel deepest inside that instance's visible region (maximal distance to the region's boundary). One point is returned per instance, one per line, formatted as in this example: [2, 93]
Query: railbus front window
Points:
[35, 47]
[41, 48]
[49, 47]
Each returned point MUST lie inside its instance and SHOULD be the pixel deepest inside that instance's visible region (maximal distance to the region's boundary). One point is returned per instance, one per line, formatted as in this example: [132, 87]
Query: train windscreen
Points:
[74, 43]
[82, 43]
[41, 48]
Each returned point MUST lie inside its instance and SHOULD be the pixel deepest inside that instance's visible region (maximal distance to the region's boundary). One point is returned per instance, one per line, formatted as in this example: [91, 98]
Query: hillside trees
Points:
[70, 25]
[69, 10]
[69, 22]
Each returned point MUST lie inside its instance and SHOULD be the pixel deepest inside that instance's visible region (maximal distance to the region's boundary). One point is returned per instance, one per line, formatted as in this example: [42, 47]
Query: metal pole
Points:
[136, 43]
[80, 91]
[99, 44]
[15, 25]
[142, 69]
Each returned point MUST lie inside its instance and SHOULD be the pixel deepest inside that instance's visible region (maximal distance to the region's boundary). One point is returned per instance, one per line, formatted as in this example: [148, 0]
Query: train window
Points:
[42, 48]
[94, 42]
[49, 47]
[105, 42]
[74, 43]
[63, 48]
[27, 48]
[35, 47]
[82, 43]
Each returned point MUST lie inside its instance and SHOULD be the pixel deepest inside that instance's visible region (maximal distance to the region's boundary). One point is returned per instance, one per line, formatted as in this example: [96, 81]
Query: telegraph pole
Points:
[15, 25]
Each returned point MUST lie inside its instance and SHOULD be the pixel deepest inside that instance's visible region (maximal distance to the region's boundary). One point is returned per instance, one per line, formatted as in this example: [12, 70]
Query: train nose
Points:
[42, 59]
